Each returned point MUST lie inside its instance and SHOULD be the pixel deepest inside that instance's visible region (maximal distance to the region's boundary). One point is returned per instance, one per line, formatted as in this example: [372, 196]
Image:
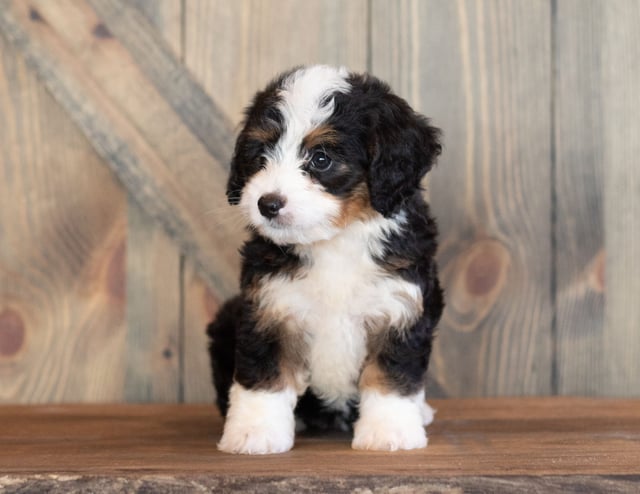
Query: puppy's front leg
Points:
[260, 418]
[393, 412]
[259, 421]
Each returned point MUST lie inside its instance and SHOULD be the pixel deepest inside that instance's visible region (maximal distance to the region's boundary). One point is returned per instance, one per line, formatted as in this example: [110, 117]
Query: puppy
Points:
[340, 294]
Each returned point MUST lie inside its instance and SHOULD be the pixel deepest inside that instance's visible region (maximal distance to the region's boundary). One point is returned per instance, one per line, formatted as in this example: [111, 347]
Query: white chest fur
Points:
[337, 300]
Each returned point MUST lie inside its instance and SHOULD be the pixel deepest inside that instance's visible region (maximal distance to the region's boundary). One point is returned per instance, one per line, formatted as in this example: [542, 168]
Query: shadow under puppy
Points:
[340, 294]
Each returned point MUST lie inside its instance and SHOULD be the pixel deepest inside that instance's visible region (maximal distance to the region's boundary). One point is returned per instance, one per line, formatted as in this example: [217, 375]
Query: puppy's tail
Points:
[222, 349]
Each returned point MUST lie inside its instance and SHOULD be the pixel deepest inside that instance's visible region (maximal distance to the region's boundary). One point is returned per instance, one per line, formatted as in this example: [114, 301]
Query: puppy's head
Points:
[322, 147]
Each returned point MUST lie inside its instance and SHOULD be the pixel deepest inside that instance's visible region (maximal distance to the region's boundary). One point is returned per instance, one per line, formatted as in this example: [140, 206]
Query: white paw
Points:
[388, 436]
[258, 422]
[389, 423]
[255, 439]
[428, 413]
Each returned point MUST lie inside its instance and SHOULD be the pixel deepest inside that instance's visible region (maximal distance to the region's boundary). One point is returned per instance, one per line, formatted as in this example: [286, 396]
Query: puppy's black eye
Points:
[320, 162]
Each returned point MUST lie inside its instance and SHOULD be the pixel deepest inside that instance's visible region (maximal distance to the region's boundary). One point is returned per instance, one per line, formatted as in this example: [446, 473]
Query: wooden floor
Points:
[483, 445]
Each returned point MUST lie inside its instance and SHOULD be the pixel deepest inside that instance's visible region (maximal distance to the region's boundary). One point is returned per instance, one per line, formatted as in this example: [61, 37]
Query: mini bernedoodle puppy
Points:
[340, 293]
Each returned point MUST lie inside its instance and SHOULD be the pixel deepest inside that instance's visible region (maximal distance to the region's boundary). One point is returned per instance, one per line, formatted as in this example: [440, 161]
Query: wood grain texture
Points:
[621, 115]
[498, 443]
[166, 16]
[131, 119]
[148, 48]
[233, 49]
[482, 71]
[196, 301]
[62, 252]
[579, 215]
[154, 312]
[200, 305]
[154, 282]
[536, 193]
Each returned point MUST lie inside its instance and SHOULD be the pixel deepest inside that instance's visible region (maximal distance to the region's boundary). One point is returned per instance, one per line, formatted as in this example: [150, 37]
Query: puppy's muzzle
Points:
[271, 204]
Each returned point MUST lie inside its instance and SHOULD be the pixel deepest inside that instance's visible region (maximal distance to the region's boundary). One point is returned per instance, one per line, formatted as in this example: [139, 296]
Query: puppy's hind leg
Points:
[222, 347]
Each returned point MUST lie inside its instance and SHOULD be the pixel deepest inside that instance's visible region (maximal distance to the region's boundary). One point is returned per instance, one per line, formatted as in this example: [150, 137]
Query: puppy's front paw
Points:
[388, 436]
[426, 411]
[256, 439]
[389, 423]
[258, 422]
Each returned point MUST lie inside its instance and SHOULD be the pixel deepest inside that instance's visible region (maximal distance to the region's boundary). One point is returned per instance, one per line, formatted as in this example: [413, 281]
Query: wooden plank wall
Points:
[536, 195]
[62, 252]
[621, 151]
[490, 194]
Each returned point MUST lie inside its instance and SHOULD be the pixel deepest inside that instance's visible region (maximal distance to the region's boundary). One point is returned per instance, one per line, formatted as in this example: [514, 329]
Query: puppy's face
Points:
[321, 148]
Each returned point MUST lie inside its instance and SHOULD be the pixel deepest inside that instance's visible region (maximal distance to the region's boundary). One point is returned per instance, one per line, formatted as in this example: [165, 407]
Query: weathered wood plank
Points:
[578, 197]
[149, 50]
[154, 281]
[167, 17]
[262, 39]
[259, 40]
[197, 303]
[200, 305]
[62, 252]
[488, 86]
[131, 123]
[541, 442]
[621, 115]
[154, 314]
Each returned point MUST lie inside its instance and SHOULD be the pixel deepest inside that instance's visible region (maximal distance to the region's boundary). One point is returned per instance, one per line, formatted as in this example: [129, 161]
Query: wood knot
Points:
[34, 15]
[475, 282]
[482, 270]
[101, 31]
[12, 333]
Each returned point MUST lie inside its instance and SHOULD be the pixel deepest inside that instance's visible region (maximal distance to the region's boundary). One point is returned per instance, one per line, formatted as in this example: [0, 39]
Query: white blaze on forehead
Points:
[305, 104]
[307, 216]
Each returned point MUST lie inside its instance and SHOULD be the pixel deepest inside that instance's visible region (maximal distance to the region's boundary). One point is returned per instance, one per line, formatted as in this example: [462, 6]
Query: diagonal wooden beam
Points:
[142, 111]
[150, 51]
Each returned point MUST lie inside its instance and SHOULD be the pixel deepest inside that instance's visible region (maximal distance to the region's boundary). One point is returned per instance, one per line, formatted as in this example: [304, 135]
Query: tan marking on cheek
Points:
[355, 207]
[320, 136]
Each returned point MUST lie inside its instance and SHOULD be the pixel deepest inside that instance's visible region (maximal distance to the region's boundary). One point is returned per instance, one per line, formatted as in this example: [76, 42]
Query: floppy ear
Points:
[243, 165]
[236, 180]
[402, 149]
[262, 126]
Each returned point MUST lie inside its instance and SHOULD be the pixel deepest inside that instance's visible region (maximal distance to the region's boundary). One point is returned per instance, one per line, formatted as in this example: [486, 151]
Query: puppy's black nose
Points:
[270, 204]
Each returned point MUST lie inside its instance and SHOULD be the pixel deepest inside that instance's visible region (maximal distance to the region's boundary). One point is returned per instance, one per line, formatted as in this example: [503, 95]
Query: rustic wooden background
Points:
[117, 120]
